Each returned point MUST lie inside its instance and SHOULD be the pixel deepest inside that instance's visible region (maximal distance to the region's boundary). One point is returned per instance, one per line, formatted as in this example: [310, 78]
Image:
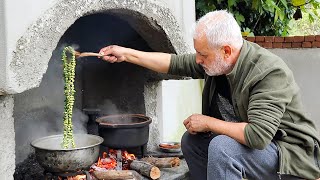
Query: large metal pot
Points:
[53, 158]
[124, 131]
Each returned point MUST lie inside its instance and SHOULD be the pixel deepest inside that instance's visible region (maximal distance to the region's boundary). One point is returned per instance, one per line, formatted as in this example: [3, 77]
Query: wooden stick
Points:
[146, 169]
[167, 162]
[114, 175]
[88, 54]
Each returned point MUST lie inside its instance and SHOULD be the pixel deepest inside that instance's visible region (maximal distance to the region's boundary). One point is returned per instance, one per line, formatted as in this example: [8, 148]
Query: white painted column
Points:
[7, 134]
[3, 48]
[180, 99]
[185, 13]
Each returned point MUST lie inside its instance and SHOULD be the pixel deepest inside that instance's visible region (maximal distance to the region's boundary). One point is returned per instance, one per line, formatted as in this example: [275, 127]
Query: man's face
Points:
[211, 59]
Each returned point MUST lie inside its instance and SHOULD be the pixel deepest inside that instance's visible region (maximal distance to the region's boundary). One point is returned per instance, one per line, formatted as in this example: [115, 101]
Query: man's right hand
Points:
[155, 61]
[114, 53]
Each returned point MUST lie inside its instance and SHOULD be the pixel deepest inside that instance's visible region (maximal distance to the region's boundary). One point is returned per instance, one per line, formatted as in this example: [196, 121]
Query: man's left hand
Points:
[196, 123]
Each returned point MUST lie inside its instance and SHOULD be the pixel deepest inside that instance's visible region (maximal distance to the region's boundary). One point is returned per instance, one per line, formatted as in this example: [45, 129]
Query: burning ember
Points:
[114, 160]
[78, 177]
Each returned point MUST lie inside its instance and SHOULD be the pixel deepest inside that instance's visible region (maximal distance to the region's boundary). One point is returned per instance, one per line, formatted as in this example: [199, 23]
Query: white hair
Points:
[220, 28]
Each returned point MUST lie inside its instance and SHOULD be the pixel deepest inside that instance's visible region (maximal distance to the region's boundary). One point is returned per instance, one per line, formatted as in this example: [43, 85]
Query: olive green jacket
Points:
[266, 96]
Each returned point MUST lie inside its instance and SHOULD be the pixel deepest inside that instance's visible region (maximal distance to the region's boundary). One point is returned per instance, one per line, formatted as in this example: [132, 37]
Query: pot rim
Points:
[34, 142]
[123, 125]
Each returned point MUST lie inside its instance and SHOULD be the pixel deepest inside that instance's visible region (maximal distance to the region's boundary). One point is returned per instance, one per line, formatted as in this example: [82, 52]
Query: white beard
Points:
[217, 67]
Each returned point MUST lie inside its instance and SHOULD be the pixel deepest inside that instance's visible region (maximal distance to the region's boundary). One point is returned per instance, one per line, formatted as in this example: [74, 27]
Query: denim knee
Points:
[220, 144]
[185, 141]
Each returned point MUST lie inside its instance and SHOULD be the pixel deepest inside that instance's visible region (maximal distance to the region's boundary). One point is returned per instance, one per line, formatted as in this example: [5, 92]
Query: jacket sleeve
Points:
[185, 65]
[271, 91]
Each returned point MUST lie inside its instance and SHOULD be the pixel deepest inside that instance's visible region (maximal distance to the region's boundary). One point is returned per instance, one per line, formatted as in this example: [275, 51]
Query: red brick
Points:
[278, 39]
[298, 39]
[266, 44]
[269, 38]
[306, 44]
[286, 45]
[316, 44]
[317, 37]
[309, 38]
[277, 45]
[252, 39]
[288, 39]
[259, 38]
[296, 45]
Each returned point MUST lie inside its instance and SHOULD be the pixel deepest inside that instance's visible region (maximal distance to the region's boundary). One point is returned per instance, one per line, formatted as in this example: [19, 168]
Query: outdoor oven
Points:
[34, 72]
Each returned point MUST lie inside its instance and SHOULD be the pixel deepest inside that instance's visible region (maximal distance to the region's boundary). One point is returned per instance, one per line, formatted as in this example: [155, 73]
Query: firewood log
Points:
[167, 162]
[145, 169]
[114, 175]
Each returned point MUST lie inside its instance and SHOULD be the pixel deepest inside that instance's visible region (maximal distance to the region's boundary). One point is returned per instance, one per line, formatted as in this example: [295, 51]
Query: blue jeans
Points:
[221, 157]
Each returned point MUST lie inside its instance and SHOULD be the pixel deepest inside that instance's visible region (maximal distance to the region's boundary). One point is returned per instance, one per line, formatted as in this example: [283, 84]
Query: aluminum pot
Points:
[53, 158]
[124, 130]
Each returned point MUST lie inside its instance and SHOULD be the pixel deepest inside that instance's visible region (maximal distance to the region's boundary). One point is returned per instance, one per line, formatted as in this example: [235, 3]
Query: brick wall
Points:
[286, 42]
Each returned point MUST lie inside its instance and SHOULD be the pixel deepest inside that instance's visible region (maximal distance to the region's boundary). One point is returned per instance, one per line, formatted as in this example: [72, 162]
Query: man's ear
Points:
[227, 51]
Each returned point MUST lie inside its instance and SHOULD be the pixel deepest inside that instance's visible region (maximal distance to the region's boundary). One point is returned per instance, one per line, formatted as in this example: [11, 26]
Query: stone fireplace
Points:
[31, 84]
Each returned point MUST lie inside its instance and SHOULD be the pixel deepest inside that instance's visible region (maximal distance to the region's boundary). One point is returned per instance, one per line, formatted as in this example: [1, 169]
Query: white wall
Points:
[180, 99]
[7, 135]
[20, 15]
[184, 11]
[16, 17]
[3, 47]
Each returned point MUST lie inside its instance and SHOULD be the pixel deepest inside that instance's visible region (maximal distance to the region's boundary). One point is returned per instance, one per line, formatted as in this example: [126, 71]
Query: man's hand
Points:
[196, 123]
[114, 53]
[201, 123]
[155, 61]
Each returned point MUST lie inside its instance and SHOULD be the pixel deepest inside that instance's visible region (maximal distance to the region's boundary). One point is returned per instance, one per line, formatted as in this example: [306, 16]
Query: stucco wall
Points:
[30, 31]
[15, 18]
[7, 135]
[305, 65]
[184, 11]
[3, 47]
[32, 19]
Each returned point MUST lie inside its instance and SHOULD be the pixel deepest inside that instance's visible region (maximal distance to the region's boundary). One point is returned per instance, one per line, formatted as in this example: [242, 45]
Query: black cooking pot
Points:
[124, 131]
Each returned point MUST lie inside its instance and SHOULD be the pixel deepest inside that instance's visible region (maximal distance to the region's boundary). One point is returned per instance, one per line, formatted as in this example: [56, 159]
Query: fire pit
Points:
[55, 159]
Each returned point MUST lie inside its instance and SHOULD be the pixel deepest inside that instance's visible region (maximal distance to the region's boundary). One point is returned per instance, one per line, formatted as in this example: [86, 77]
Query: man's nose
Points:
[199, 60]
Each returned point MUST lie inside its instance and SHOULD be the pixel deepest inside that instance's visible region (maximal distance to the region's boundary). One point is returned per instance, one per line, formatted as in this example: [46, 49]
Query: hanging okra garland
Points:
[69, 64]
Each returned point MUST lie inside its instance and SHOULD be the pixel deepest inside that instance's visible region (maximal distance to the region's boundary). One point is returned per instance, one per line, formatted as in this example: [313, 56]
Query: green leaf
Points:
[268, 6]
[255, 4]
[239, 17]
[247, 32]
[276, 16]
[231, 3]
[285, 3]
[219, 1]
[281, 15]
[298, 2]
[311, 18]
[264, 17]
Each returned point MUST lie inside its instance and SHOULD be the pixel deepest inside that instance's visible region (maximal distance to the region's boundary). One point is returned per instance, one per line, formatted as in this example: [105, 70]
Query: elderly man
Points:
[252, 125]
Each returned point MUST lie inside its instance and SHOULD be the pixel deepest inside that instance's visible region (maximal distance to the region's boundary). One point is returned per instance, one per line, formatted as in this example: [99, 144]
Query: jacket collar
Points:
[232, 76]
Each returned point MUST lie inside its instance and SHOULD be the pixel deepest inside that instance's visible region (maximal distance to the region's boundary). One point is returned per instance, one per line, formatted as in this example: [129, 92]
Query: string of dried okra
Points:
[69, 64]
